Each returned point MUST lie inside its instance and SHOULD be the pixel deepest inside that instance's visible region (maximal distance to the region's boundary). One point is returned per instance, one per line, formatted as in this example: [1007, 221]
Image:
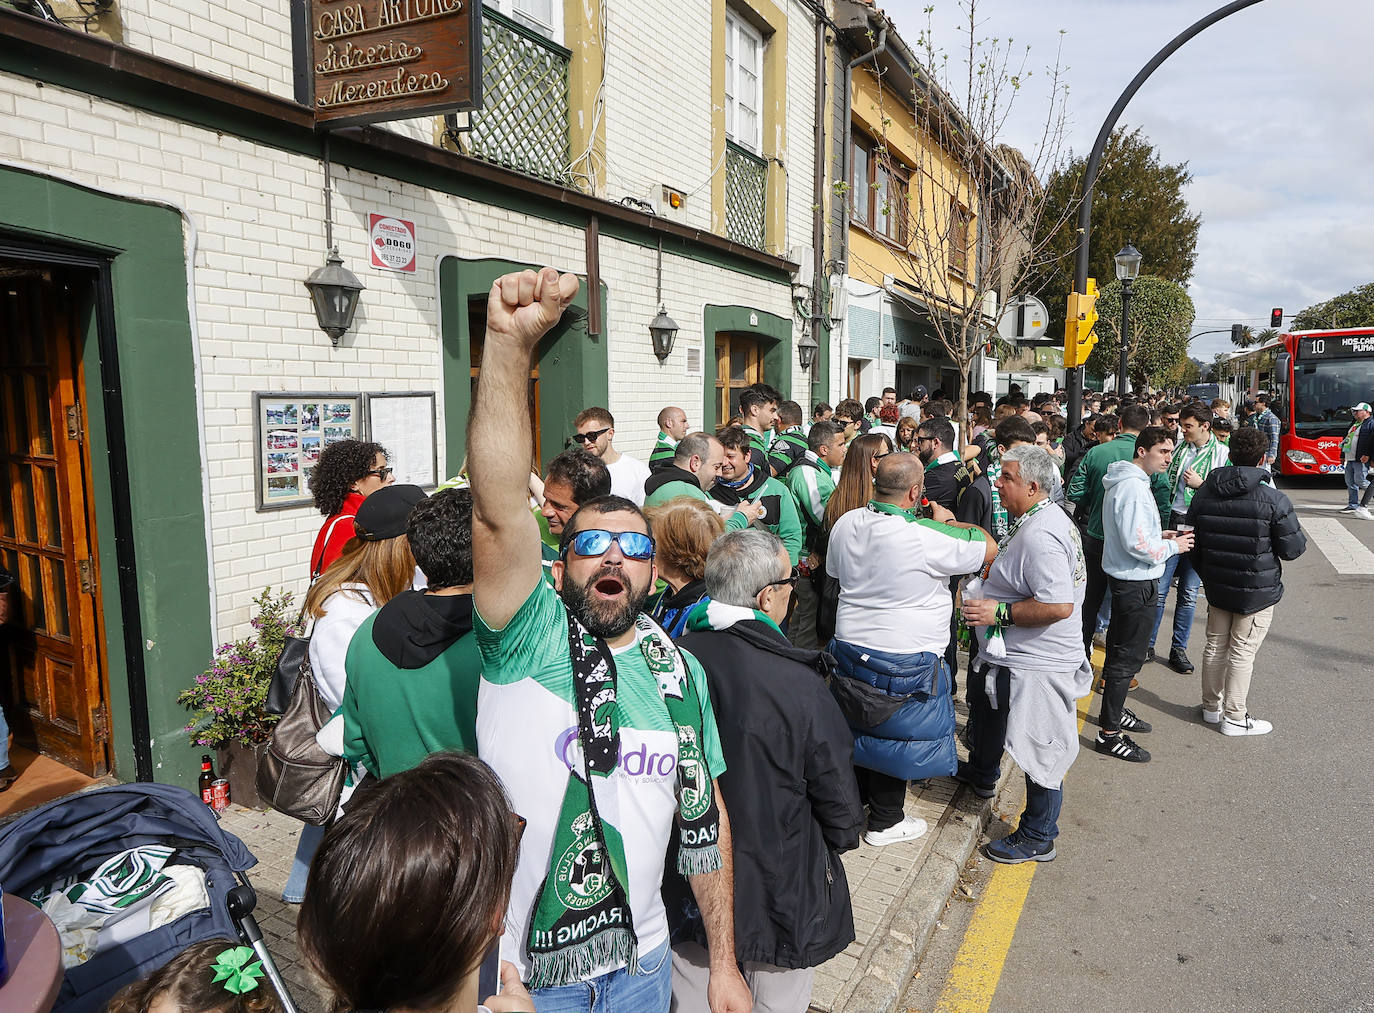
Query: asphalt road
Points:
[1228, 873]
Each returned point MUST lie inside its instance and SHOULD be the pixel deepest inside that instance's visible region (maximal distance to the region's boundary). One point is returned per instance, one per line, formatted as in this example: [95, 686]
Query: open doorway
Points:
[52, 667]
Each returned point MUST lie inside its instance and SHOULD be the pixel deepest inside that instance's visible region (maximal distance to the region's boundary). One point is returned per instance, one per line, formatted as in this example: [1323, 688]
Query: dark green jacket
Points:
[1086, 485]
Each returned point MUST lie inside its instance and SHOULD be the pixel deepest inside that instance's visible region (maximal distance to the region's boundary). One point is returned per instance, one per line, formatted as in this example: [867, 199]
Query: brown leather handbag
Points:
[295, 776]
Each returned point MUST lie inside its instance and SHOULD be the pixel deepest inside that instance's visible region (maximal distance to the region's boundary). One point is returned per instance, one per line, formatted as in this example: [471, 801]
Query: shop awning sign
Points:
[391, 242]
[376, 60]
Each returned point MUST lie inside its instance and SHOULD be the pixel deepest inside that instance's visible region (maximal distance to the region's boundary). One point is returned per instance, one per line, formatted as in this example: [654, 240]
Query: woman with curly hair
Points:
[684, 530]
[348, 472]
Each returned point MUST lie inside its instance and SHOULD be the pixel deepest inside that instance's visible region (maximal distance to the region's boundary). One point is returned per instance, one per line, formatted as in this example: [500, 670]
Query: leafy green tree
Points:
[1349, 309]
[1269, 334]
[1161, 321]
[1137, 199]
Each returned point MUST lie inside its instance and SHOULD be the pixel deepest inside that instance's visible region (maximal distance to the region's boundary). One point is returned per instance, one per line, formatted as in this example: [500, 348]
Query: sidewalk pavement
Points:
[899, 892]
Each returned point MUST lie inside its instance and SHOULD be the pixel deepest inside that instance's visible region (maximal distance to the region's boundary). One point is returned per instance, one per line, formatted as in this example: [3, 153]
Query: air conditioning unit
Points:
[694, 360]
[805, 259]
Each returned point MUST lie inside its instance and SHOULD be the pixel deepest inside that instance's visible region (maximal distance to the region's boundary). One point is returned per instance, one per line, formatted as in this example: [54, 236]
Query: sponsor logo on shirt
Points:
[639, 762]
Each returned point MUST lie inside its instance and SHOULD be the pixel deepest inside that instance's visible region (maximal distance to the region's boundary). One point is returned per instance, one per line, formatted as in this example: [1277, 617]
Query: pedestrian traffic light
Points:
[1079, 336]
[1276, 317]
[1237, 334]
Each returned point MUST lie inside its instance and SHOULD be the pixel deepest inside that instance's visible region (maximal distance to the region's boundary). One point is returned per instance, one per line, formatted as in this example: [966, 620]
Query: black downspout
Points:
[820, 369]
[130, 615]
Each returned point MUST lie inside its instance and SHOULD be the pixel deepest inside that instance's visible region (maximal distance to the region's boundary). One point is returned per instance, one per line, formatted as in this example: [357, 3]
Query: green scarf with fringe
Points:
[582, 918]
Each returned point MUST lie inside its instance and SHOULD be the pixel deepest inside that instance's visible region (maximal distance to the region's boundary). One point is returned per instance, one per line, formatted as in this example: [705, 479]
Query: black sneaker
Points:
[1131, 723]
[964, 775]
[1149, 655]
[1179, 662]
[1121, 747]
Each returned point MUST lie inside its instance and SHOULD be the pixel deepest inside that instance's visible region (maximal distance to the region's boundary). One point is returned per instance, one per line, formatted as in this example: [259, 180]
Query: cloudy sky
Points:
[1271, 108]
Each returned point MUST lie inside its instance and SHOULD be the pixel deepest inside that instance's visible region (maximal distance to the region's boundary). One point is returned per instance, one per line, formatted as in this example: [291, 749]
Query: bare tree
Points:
[974, 204]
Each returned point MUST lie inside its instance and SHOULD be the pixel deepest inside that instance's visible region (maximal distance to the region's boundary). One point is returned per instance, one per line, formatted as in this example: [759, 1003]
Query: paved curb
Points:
[896, 956]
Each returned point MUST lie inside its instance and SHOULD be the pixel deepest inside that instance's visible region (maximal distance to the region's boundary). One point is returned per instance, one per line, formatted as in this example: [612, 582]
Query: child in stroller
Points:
[215, 976]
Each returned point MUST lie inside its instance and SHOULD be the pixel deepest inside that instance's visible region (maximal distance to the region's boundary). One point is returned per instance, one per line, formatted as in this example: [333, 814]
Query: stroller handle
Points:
[241, 900]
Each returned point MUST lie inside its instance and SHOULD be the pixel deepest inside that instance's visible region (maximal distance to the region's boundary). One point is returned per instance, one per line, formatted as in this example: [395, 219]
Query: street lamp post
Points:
[1085, 206]
[1127, 270]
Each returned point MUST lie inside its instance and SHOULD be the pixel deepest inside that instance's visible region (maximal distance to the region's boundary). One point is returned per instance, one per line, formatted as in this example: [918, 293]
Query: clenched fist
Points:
[523, 306]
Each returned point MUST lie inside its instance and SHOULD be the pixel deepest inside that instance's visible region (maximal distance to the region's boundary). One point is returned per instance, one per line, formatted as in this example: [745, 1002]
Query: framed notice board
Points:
[289, 432]
[406, 425]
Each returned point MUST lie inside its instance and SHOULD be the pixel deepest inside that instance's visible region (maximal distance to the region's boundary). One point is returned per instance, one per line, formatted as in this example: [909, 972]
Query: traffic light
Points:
[1276, 317]
[1079, 337]
[1237, 334]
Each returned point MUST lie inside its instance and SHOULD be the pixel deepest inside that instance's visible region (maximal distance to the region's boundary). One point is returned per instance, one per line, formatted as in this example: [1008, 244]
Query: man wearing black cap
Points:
[413, 666]
[911, 408]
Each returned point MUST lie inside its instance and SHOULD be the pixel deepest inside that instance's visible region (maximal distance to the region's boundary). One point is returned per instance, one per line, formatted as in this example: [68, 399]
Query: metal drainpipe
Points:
[879, 47]
[821, 367]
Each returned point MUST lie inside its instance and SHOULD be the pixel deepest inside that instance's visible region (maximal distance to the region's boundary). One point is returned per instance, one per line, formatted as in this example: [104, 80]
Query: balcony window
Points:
[743, 83]
[523, 122]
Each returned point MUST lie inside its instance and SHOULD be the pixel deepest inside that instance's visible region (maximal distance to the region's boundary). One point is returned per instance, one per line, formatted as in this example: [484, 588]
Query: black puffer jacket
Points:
[791, 795]
[1243, 528]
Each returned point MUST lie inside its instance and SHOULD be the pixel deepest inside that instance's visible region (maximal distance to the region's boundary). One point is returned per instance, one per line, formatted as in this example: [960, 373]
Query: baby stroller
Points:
[69, 839]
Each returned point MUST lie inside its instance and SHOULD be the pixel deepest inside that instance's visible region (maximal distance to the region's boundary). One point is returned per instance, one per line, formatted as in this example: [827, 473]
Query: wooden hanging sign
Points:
[377, 60]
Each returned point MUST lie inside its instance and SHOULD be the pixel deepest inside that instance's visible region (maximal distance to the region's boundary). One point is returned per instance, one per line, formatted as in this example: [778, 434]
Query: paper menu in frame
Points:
[405, 425]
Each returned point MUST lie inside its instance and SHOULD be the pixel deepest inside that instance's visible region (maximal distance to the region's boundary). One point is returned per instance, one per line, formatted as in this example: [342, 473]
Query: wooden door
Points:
[739, 363]
[51, 656]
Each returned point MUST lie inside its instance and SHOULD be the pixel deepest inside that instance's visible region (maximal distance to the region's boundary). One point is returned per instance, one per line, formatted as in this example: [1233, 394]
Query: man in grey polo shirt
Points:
[1030, 670]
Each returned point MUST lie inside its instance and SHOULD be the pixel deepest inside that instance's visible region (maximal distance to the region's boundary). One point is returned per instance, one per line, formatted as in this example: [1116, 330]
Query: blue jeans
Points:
[1356, 478]
[294, 890]
[4, 740]
[616, 992]
[1040, 821]
[1186, 603]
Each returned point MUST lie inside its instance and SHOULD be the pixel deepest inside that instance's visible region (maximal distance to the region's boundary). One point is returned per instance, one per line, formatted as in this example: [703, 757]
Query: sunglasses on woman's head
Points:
[596, 541]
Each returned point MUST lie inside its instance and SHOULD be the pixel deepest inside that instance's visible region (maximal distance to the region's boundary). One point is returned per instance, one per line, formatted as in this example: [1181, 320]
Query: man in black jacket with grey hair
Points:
[789, 781]
[1243, 529]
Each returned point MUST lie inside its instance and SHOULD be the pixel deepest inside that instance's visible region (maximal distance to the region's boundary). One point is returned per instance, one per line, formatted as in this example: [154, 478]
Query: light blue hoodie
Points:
[1132, 547]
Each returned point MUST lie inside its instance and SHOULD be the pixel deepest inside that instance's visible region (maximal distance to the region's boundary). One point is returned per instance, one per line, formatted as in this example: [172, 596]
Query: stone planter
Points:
[238, 764]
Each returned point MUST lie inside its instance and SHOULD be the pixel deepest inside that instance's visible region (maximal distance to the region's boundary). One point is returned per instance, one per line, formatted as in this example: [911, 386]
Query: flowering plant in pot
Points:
[227, 700]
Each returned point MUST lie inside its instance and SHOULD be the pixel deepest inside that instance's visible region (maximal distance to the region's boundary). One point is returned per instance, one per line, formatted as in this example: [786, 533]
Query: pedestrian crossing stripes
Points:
[1342, 549]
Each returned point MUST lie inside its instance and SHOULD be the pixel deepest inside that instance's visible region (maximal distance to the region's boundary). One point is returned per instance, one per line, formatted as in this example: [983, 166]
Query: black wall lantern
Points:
[662, 329]
[806, 351]
[334, 292]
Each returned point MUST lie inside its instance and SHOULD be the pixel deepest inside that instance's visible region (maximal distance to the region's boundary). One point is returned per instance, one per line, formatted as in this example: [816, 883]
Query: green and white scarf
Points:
[1000, 522]
[582, 916]
[1202, 462]
[716, 615]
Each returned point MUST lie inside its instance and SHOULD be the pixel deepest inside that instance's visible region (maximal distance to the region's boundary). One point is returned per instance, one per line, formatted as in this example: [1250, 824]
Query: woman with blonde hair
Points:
[684, 530]
[376, 566]
[906, 435]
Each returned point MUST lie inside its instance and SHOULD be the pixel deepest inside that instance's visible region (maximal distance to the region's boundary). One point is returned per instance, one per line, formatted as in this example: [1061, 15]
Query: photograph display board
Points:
[289, 432]
[405, 425]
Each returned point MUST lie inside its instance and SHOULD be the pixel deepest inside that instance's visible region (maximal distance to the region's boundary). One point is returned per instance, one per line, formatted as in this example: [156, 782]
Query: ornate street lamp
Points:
[1127, 270]
[806, 352]
[662, 331]
[334, 292]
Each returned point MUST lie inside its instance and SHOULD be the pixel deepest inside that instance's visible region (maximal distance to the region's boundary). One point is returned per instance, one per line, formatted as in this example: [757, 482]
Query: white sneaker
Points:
[1250, 726]
[908, 830]
[1211, 717]
[1363, 514]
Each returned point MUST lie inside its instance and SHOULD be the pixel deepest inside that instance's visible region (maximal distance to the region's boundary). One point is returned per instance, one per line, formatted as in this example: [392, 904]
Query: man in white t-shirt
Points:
[891, 629]
[596, 433]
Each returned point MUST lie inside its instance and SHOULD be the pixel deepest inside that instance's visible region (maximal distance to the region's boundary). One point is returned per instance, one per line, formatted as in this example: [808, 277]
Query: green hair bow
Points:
[231, 967]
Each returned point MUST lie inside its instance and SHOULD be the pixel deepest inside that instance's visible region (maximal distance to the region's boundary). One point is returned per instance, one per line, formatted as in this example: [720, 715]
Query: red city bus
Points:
[1318, 376]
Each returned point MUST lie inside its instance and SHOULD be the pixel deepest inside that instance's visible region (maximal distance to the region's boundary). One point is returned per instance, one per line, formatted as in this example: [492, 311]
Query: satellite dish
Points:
[1024, 318]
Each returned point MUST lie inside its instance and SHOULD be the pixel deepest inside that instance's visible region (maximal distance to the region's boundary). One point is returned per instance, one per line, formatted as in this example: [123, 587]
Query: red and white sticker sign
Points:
[392, 242]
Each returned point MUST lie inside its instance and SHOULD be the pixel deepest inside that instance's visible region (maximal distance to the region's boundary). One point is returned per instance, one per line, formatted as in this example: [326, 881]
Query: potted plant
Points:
[227, 700]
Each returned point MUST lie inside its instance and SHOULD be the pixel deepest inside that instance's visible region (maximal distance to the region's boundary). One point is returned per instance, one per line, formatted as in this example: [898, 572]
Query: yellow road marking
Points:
[977, 969]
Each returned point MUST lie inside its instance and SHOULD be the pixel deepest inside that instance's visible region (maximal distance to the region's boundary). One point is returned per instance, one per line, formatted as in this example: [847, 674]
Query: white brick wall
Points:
[258, 217]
